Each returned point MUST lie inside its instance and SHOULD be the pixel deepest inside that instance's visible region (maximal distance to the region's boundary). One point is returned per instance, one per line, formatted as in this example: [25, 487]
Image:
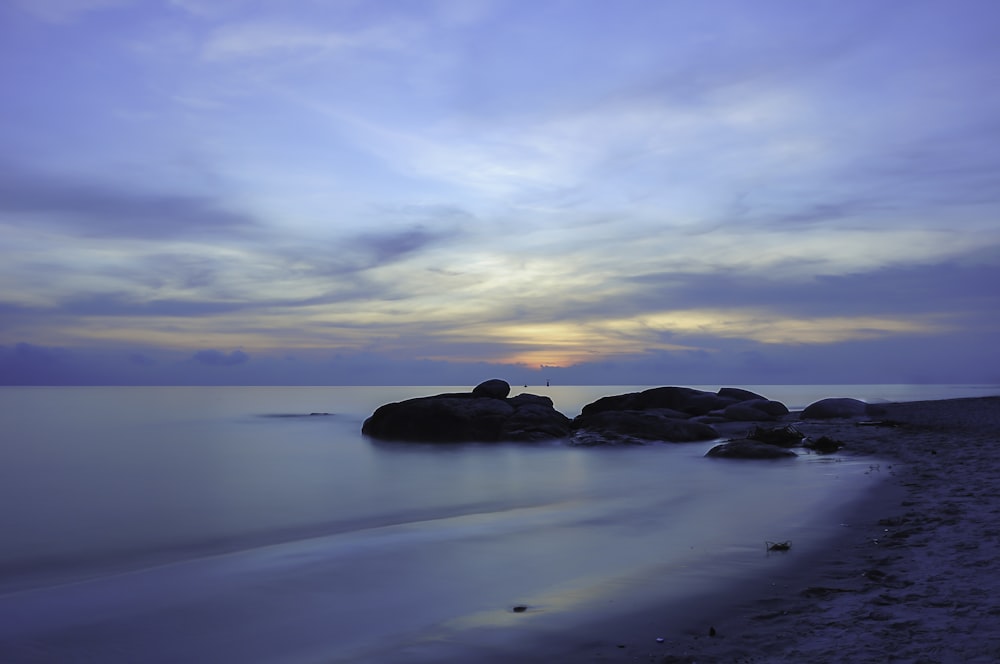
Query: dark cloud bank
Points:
[965, 358]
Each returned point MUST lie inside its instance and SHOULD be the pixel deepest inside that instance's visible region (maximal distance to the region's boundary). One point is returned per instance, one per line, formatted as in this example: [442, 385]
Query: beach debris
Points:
[292, 415]
[824, 591]
[520, 608]
[879, 423]
[786, 436]
[778, 546]
[659, 639]
[823, 445]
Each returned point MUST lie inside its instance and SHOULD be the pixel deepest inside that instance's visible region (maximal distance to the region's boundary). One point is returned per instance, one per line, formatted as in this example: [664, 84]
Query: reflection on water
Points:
[265, 538]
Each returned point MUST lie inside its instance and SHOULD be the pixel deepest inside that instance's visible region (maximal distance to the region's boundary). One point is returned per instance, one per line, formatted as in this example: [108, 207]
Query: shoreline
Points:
[908, 580]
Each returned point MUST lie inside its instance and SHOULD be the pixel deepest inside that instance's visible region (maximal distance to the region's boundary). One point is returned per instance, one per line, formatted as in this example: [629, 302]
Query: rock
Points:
[533, 421]
[749, 449]
[826, 409]
[493, 388]
[787, 436]
[529, 399]
[674, 398]
[702, 404]
[686, 400]
[756, 410]
[770, 407]
[675, 404]
[737, 394]
[743, 412]
[823, 445]
[468, 417]
[441, 418]
[637, 427]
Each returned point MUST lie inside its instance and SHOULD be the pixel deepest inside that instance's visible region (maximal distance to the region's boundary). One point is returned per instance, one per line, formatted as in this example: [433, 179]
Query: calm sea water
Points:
[229, 524]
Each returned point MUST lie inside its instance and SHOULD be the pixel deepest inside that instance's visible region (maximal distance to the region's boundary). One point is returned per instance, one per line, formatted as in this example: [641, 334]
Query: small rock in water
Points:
[659, 639]
[520, 608]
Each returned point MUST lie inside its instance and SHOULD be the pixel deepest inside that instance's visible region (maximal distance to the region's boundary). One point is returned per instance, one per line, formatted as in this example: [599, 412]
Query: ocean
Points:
[257, 524]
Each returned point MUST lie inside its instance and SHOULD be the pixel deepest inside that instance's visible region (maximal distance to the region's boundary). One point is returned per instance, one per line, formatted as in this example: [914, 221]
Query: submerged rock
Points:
[749, 449]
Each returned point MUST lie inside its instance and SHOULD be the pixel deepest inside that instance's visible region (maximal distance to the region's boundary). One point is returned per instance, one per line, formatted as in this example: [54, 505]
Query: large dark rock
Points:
[533, 421]
[674, 398]
[676, 414]
[743, 412]
[468, 417]
[493, 388]
[638, 426]
[686, 400]
[826, 409]
[738, 394]
[756, 410]
[441, 418]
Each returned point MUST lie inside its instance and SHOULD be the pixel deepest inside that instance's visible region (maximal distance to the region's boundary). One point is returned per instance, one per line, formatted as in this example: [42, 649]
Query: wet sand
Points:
[913, 578]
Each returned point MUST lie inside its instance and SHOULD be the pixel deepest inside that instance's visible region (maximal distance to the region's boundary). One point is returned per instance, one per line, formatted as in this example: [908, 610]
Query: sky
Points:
[437, 192]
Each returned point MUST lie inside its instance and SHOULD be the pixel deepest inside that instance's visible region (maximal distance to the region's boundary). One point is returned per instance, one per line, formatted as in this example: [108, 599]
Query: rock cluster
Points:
[660, 414]
[674, 414]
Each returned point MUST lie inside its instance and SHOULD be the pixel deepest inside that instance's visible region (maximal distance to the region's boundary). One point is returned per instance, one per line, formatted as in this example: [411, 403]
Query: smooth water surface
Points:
[259, 524]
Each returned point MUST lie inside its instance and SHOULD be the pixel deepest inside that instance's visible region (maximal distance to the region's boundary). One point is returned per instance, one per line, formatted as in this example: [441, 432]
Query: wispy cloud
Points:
[97, 209]
[278, 38]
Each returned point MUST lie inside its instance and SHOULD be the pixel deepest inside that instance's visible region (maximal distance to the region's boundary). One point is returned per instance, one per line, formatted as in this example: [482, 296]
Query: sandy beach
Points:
[912, 579]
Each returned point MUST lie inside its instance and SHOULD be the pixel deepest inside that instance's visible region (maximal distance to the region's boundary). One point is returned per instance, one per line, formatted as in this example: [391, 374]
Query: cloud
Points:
[573, 184]
[277, 39]
[62, 11]
[141, 359]
[953, 286]
[391, 246]
[33, 364]
[98, 210]
[215, 358]
[967, 357]
[124, 305]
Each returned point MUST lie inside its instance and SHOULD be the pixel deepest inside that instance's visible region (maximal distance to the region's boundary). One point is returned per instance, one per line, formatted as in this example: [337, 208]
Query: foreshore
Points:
[912, 578]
